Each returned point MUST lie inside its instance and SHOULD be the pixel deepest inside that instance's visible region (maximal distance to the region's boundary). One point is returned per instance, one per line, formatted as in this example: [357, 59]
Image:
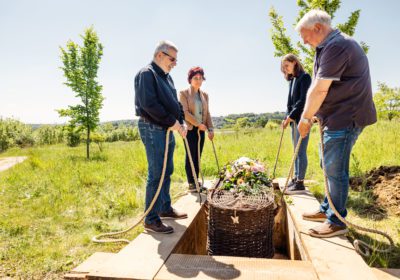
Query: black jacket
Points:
[155, 97]
[296, 101]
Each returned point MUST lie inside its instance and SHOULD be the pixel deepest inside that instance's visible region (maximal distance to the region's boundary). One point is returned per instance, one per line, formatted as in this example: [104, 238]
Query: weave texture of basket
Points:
[240, 225]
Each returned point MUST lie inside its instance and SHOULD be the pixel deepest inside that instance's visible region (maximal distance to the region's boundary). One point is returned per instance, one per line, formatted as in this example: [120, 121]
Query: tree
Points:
[387, 101]
[80, 69]
[283, 43]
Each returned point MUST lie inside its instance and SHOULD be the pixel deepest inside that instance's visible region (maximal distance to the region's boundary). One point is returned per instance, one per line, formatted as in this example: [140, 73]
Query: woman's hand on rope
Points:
[202, 127]
[286, 122]
[211, 135]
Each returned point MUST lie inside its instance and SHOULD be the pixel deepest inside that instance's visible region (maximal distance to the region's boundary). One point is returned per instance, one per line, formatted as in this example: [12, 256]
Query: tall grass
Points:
[54, 202]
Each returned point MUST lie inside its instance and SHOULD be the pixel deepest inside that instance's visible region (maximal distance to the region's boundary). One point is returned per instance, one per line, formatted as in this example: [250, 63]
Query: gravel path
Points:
[9, 162]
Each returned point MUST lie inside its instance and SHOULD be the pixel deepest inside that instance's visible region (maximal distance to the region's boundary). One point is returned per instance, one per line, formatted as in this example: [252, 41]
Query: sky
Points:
[229, 39]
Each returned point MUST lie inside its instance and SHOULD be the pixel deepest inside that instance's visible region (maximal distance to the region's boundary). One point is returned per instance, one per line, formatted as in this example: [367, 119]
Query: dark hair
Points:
[298, 68]
[194, 71]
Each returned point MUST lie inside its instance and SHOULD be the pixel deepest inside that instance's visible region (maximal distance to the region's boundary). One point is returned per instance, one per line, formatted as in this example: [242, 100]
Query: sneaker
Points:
[297, 187]
[316, 216]
[173, 215]
[158, 227]
[326, 230]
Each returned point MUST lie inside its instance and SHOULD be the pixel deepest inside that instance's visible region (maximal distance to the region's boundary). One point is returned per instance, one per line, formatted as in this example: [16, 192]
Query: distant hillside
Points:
[251, 119]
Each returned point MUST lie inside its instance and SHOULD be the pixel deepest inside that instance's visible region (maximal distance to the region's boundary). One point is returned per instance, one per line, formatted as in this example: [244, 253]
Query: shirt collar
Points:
[158, 69]
[328, 38]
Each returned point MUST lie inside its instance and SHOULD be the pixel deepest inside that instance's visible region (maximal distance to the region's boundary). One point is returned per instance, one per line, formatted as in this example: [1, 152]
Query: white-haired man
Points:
[341, 97]
[157, 105]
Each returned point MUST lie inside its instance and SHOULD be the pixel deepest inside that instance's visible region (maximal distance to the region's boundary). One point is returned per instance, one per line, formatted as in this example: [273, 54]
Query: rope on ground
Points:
[105, 237]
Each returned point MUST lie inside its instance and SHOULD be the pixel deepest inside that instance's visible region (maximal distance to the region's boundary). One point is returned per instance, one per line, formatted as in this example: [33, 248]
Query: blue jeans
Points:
[153, 138]
[301, 162]
[337, 149]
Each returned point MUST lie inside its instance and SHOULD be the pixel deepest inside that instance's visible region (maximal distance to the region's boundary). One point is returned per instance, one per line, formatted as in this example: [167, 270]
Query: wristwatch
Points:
[305, 120]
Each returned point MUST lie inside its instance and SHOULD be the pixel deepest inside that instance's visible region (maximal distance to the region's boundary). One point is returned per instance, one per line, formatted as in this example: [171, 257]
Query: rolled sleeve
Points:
[332, 63]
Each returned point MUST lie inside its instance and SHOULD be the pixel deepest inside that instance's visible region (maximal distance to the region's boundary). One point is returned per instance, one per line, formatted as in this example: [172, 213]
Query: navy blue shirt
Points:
[349, 100]
[155, 97]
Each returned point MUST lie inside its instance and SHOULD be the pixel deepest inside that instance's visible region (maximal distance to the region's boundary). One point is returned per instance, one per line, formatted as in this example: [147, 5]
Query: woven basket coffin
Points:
[240, 225]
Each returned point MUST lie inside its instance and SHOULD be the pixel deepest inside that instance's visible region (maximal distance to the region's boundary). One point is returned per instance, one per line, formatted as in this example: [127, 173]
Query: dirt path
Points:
[9, 162]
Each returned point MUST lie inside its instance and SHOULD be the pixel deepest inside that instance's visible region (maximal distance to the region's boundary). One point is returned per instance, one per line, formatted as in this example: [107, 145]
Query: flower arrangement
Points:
[246, 176]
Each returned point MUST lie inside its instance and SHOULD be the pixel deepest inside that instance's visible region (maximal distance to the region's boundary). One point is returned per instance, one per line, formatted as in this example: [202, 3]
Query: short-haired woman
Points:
[299, 82]
[197, 116]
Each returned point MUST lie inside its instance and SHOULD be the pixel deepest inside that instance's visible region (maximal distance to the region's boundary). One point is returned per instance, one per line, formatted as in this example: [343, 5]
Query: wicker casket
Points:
[241, 212]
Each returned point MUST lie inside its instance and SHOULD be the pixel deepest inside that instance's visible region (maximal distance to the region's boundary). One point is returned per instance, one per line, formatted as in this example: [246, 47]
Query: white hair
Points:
[164, 46]
[313, 17]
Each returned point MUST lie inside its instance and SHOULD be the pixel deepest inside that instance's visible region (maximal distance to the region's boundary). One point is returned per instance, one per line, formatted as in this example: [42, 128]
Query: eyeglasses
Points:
[170, 57]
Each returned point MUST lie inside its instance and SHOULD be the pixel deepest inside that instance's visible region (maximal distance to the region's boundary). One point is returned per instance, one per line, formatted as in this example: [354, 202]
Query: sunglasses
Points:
[171, 58]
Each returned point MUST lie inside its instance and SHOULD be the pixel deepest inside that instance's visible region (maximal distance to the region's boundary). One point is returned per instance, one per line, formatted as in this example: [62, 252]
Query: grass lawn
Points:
[53, 203]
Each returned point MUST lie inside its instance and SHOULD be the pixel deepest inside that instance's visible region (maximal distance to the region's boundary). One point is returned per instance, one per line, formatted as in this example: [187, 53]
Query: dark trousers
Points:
[193, 138]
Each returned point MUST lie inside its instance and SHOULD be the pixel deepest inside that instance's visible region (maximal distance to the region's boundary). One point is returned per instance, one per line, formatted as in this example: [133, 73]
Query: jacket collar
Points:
[158, 69]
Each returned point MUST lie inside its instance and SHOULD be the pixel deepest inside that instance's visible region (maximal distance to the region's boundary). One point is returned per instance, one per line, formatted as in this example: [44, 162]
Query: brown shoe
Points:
[328, 230]
[316, 216]
[173, 215]
[158, 227]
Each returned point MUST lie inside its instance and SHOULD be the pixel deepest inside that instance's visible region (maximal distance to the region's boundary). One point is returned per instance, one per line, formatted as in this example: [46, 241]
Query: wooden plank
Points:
[144, 256]
[95, 261]
[387, 273]
[333, 258]
[180, 266]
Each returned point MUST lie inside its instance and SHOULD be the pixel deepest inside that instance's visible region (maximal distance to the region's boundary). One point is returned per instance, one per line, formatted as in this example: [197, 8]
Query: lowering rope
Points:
[360, 246]
[277, 155]
[105, 237]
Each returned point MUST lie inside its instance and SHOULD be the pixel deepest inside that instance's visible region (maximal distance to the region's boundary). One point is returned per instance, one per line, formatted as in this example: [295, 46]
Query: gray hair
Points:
[164, 46]
[313, 17]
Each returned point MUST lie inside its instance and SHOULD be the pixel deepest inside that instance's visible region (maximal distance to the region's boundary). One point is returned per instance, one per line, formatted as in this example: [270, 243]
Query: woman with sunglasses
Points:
[299, 82]
[197, 116]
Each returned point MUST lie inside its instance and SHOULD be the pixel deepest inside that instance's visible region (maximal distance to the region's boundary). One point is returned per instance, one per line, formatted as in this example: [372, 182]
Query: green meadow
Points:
[52, 204]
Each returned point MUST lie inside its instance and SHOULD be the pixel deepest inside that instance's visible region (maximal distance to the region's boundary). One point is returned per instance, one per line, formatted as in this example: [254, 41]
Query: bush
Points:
[14, 133]
[48, 135]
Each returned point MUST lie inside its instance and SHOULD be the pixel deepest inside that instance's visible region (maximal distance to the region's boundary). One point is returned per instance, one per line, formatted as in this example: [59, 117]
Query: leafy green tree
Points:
[283, 43]
[242, 122]
[387, 102]
[81, 64]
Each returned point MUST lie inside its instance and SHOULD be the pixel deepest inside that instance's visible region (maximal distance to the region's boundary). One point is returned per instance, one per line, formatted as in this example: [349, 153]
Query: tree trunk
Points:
[87, 142]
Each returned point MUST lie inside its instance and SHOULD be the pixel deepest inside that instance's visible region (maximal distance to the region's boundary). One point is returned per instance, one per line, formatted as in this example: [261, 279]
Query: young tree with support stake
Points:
[283, 43]
[80, 68]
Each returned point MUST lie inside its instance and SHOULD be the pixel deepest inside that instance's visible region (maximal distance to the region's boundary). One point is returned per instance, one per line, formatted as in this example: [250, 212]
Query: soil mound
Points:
[384, 182]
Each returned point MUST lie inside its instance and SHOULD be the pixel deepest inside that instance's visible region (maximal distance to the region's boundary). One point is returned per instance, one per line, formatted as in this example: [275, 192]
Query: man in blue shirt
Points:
[341, 96]
[157, 105]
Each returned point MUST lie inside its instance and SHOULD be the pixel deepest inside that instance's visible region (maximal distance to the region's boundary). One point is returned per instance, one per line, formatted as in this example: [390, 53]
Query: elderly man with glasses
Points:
[157, 105]
[341, 96]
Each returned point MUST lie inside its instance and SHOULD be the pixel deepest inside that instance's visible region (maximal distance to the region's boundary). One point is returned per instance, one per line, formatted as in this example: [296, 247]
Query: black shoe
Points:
[173, 215]
[292, 182]
[192, 187]
[158, 227]
[297, 187]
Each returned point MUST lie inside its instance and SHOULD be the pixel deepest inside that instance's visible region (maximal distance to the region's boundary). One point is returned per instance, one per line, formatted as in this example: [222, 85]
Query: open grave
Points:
[183, 254]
